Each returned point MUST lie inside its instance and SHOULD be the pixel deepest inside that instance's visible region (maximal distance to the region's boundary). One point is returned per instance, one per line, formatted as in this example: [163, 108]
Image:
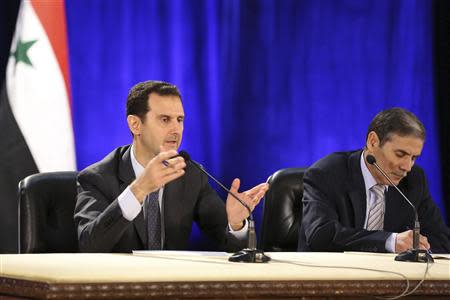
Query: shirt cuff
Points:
[390, 242]
[240, 234]
[129, 205]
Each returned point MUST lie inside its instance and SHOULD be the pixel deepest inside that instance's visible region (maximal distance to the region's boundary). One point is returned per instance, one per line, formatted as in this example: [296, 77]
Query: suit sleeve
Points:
[100, 222]
[210, 214]
[328, 217]
[432, 225]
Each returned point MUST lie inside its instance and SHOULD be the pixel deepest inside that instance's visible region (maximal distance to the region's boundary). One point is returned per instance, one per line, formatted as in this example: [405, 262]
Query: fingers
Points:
[407, 235]
[251, 197]
[236, 212]
[163, 168]
[171, 169]
[256, 193]
[260, 188]
[174, 163]
[165, 155]
[235, 185]
[423, 243]
[168, 162]
[405, 239]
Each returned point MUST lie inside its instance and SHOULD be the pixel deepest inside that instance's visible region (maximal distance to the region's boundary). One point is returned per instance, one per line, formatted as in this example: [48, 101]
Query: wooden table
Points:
[182, 275]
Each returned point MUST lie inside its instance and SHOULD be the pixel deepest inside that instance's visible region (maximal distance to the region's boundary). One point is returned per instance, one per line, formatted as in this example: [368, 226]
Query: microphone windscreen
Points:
[371, 159]
[184, 155]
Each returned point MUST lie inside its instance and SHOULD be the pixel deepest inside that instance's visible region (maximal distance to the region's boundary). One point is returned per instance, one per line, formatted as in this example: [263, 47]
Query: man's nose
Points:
[176, 126]
[407, 164]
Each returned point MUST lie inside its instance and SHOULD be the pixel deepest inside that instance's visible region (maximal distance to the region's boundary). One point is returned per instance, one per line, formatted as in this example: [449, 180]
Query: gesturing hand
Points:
[162, 169]
[236, 212]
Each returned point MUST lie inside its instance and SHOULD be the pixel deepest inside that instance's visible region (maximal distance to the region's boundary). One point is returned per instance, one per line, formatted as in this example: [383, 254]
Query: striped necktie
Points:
[375, 220]
[153, 215]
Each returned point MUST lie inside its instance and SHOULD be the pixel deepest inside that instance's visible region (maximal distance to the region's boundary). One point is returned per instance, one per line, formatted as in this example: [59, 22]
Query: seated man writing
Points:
[349, 206]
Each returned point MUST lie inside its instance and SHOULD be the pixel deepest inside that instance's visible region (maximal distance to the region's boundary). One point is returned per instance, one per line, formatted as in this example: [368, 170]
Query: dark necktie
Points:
[153, 215]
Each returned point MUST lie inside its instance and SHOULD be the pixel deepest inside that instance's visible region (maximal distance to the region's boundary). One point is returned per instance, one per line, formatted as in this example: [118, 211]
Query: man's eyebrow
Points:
[406, 152]
[169, 116]
[402, 151]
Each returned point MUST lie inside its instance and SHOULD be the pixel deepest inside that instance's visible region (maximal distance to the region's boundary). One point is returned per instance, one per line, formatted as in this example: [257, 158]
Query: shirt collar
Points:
[369, 180]
[137, 167]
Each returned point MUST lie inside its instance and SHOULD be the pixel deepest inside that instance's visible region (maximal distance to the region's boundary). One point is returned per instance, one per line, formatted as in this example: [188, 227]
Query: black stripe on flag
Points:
[16, 163]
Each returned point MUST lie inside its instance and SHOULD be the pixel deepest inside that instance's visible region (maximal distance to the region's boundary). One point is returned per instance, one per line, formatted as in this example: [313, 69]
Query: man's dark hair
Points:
[137, 100]
[398, 121]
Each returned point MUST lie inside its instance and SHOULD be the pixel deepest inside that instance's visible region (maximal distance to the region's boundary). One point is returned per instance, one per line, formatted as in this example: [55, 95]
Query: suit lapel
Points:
[173, 203]
[395, 205]
[391, 207]
[357, 190]
[126, 175]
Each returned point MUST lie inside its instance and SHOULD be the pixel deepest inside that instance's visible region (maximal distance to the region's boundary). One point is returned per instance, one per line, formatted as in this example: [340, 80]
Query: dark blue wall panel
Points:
[266, 84]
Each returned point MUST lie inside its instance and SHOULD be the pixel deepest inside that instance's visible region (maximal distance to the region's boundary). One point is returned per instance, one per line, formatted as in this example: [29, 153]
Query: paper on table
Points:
[440, 256]
[178, 253]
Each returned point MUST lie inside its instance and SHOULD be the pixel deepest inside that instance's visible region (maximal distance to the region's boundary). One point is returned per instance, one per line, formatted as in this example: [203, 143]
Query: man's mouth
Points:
[172, 142]
[398, 177]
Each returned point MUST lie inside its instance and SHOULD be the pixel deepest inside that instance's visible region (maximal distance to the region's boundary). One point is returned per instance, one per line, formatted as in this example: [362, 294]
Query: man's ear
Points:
[134, 124]
[372, 141]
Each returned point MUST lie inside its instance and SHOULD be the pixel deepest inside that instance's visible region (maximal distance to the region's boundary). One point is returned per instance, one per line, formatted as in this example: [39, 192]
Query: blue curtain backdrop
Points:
[266, 84]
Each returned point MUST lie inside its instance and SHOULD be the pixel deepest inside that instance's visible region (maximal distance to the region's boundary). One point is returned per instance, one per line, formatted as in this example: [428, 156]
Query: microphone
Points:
[251, 254]
[415, 254]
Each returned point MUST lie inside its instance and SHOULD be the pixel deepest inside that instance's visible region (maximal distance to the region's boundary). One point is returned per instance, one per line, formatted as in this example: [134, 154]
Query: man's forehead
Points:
[409, 144]
[167, 112]
[165, 104]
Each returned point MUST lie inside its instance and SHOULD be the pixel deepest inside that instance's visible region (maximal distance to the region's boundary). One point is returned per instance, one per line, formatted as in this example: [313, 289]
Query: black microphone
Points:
[414, 254]
[250, 254]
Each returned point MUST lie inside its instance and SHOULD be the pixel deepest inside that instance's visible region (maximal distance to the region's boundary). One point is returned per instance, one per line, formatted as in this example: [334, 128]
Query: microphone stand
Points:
[250, 254]
[414, 254]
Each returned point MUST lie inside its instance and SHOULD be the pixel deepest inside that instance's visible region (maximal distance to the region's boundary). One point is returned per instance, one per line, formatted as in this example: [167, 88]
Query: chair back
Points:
[46, 207]
[282, 211]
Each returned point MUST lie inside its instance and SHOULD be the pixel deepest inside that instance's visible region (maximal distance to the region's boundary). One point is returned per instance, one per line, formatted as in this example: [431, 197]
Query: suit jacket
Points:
[334, 208]
[102, 227]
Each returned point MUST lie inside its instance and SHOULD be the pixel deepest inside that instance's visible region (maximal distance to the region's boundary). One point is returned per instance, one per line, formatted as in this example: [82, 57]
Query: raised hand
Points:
[160, 170]
[236, 212]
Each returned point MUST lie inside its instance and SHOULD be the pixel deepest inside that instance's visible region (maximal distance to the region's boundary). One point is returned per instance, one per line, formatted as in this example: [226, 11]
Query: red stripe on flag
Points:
[53, 18]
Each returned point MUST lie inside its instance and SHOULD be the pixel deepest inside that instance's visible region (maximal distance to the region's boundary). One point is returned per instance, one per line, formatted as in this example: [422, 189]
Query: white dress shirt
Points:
[131, 207]
[369, 182]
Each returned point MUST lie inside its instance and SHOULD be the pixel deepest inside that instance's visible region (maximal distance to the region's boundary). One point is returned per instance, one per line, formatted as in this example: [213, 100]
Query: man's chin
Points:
[170, 146]
[396, 179]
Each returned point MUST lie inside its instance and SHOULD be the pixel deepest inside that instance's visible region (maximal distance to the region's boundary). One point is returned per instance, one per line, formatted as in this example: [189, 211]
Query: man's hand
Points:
[404, 241]
[159, 171]
[236, 212]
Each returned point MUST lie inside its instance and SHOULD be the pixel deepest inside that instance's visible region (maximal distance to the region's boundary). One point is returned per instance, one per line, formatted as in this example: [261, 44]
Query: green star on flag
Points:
[21, 52]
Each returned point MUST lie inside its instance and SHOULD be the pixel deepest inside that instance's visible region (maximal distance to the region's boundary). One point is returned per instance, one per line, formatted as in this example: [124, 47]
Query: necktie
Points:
[153, 222]
[375, 219]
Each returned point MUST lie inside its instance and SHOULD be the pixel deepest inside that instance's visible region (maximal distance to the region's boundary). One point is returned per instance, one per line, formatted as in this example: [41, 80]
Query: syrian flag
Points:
[35, 107]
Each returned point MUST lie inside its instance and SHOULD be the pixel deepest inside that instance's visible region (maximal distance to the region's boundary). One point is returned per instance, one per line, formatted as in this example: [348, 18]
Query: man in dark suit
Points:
[144, 196]
[349, 206]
